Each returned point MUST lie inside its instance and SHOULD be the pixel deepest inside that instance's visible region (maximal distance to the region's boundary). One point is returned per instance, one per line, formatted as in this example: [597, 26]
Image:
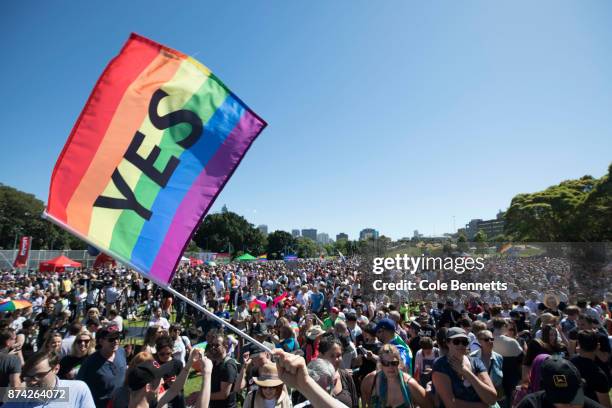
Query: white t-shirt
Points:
[179, 349]
[506, 346]
[118, 320]
[161, 322]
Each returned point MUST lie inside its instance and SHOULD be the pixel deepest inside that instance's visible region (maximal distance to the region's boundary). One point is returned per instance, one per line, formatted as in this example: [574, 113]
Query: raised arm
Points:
[178, 384]
[292, 370]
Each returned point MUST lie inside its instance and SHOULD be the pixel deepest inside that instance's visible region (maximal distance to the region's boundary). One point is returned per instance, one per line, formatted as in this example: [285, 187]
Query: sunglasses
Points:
[463, 342]
[37, 376]
[83, 341]
[386, 363]
[164, 354]
[490, 339]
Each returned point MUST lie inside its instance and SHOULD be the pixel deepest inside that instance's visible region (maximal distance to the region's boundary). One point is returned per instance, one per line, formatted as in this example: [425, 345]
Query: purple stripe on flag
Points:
[203, 193]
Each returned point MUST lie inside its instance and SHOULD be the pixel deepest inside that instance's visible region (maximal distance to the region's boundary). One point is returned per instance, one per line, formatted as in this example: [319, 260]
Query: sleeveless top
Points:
[380, 400]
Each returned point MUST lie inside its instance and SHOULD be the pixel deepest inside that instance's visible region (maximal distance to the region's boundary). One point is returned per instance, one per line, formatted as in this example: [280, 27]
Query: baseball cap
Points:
[111, 331]
[561, 382]
[386, 324]
[455, 333]
[335, 310]
[147, 372]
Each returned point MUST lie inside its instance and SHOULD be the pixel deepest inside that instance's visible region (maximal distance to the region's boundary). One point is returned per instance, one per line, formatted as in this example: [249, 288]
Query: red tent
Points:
[58, 264]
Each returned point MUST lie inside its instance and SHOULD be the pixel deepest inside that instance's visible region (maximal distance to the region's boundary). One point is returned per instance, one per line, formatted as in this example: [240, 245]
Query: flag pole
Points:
[217, 318]
[159, 283]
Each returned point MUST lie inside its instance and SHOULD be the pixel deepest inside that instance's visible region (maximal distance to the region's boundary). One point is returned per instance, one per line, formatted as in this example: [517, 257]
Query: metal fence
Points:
[7, 256]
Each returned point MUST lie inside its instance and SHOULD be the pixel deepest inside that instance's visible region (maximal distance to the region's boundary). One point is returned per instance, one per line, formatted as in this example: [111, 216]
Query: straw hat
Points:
[268, 376]
[314, 332]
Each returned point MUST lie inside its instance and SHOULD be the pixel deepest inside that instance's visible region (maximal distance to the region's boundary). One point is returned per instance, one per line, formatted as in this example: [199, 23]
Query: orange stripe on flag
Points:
[128, 118]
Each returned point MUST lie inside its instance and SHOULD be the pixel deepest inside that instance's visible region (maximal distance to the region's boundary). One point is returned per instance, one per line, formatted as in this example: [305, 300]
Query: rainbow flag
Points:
[154, 145]
[263, 257]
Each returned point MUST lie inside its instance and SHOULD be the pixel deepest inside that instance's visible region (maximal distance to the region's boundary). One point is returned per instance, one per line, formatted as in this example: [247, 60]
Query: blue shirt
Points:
[316, 301]
[102, 376]
[77, 392]
[462, 390]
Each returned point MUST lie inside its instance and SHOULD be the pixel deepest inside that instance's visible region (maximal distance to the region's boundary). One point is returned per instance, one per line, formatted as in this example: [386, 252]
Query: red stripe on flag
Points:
[98, 112]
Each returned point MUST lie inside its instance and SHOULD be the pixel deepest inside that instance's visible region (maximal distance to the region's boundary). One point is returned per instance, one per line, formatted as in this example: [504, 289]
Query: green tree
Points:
[342, 246]
[279, 243]
[228, 231]
[573, 210]
[462, 244]
[306, 248]
[481, 241]
[594, 214]
[20, 215]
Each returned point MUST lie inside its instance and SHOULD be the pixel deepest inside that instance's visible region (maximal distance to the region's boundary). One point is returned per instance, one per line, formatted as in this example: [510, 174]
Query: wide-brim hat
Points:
[314, 332]
[268, 376]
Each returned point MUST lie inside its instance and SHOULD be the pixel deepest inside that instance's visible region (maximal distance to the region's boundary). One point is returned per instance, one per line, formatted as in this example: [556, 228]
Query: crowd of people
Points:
[114, 339]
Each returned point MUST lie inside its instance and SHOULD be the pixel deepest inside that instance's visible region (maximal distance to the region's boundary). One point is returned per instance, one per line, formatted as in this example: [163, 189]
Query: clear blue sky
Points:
[396, 115]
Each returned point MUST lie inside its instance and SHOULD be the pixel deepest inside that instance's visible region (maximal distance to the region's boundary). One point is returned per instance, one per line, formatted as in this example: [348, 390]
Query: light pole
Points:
[17, 231]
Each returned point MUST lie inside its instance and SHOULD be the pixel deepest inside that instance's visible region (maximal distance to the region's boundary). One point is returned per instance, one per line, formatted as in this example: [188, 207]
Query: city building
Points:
[323, 238]
[295, 233]
[416, 234]
[310, 233]
[368, 233]
[341, 235]
[492, 227]
[263, 228]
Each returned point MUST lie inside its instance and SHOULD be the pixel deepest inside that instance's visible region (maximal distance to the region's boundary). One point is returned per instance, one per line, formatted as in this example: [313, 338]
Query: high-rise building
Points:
[341, 235]
[416, 234]
[368, 233]
[310, 233]
[263, 228]
[295, 233]
[323, 238]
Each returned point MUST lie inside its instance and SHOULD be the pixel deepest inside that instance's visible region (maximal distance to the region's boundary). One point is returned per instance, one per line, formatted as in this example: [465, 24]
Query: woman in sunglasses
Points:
[390, 386]
[82, 347]
[459, 380]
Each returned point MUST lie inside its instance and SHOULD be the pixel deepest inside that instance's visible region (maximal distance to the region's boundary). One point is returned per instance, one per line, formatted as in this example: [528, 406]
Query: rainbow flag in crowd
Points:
[155, 144]
[263, 257]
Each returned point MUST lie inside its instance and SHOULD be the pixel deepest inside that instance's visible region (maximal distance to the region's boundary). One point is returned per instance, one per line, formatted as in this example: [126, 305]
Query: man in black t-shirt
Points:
[10, 364]
[602, 353]
[223, 375]
[450, 316]
[368, 348]
[561, 387]
[596, 382]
